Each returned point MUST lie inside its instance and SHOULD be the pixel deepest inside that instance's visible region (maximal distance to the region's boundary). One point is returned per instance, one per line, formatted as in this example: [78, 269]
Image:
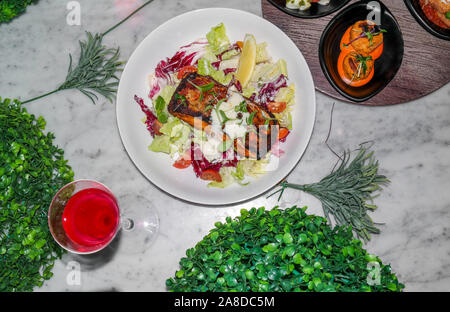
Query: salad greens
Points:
[218, 39]
[217, 57]
[32, 170]
[174, 139]
[205, 68]
[280, 250]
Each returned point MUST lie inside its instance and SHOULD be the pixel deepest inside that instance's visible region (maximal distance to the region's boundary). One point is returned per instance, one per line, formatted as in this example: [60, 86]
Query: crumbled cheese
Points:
[210, 148]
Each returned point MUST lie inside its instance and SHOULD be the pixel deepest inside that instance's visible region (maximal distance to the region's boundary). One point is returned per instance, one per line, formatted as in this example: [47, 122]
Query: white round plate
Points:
[163, 42]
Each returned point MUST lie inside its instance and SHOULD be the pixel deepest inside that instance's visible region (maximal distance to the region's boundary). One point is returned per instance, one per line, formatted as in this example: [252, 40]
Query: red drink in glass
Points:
[84, 216]
[91, 217]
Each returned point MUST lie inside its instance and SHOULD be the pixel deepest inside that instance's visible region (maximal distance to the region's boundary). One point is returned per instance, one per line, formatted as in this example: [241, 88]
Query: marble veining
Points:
[412, 143]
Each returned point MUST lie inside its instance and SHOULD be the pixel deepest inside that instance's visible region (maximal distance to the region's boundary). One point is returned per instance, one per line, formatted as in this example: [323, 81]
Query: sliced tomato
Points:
[211, 175]
[186, 70]
[276, 107]
[184, 161]
[283, 133]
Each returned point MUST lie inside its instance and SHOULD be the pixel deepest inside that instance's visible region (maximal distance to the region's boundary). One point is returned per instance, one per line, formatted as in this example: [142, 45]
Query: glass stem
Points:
[127, 224]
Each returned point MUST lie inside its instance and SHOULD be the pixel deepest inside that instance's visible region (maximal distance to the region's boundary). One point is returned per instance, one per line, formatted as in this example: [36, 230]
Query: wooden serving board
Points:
[426, 61]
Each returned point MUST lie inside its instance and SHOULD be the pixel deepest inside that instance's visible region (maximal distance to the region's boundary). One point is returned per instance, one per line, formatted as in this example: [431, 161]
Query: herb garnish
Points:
[224, 117]
[203, 89]
[279, 250]
[182, 98]
[250, 118]
[367, 34]
[362, 65]
[242, 107]
[160, 109]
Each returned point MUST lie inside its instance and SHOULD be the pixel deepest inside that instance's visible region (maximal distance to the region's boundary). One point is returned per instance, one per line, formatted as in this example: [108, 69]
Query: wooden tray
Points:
[426, 61]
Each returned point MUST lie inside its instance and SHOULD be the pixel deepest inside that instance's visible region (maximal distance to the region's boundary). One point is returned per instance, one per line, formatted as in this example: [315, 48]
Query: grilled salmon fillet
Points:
[189, 102]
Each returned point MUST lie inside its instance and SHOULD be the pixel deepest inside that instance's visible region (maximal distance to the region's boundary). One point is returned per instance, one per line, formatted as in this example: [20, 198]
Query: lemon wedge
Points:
[247, 60]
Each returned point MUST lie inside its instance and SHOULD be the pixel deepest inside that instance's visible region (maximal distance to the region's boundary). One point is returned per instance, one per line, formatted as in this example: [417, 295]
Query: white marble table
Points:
[412, 142]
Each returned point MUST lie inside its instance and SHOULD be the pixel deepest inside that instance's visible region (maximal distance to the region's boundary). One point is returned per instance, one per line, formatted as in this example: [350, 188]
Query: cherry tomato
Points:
[276, 107]
[184, 161]
[283, 133]
[185, 71]
[211, 175]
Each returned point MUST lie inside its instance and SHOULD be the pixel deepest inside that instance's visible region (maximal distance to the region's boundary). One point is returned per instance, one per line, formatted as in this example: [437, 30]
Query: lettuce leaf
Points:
[229, 176]
[167, 92]
[218, 39]
[248, 91]
[286, 95]
[245, 167]
[266, 72]
[160, 144]
[175, 137]
[262, 55]
[252, 167]
[230, 54]
[205, 68]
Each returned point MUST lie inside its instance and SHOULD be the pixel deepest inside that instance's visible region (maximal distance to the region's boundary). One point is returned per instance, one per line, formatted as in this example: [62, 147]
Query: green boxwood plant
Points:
[281, 250]
[32, 170]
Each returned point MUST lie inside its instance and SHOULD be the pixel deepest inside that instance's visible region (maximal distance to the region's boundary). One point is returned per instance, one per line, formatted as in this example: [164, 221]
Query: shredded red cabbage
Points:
[169, 66]
[149, 122]
[216, 65]
[229, 70]
[200, 163]
[187, 55]
[234, 46]
[269, 90]
[236, 83]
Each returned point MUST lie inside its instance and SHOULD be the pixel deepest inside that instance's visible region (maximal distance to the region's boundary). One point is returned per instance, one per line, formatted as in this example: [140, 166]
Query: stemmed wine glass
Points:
[84, 217]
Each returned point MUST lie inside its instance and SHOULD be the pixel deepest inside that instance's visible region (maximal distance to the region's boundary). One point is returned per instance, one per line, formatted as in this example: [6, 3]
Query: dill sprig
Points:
[96, 69]
[347, 192]
[95, 72]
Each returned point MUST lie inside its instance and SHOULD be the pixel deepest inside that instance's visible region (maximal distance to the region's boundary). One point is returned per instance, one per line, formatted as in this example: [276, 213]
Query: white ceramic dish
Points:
[163, 42]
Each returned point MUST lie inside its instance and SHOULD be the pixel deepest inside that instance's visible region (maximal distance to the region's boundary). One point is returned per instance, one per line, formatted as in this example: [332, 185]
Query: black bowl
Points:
[416, 11]
[316, 10]
[386, 66]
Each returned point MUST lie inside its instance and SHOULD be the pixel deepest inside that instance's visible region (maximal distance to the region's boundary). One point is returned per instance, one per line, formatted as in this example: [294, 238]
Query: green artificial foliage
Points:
[347, 193]
[32, 170]
[281, 250]
[11, 8]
